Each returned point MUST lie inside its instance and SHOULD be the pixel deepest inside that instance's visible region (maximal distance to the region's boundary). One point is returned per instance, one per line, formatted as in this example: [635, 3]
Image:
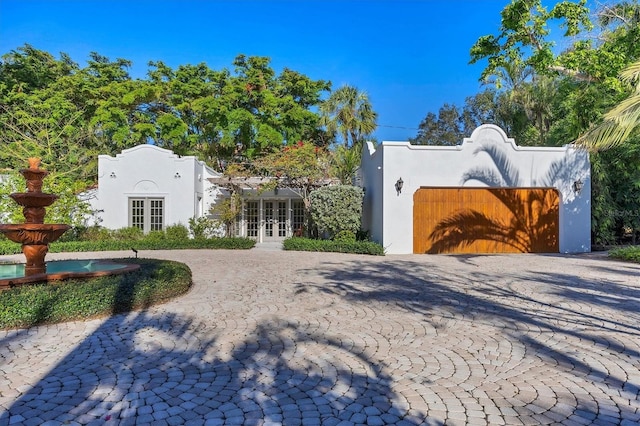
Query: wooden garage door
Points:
[485, 220]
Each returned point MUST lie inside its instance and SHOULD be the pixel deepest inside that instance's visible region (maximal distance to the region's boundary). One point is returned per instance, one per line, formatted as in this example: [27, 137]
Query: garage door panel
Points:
[486, 220]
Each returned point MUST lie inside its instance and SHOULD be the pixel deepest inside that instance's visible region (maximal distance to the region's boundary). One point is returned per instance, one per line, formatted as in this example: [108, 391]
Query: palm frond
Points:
[465, 227]
[483, 175]
[619, 122]
[509, 173]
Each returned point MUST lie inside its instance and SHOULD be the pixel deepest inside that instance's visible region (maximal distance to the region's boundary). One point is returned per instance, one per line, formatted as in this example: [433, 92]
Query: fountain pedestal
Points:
[34, 234]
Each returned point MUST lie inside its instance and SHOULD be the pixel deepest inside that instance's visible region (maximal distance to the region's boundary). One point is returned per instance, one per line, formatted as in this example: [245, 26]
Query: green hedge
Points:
[155, 282]
[8, 247]
[358, 247]
[630, 254]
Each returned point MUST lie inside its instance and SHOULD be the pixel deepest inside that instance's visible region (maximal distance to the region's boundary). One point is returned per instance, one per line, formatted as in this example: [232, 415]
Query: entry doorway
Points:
[275, 220]
[271, 219]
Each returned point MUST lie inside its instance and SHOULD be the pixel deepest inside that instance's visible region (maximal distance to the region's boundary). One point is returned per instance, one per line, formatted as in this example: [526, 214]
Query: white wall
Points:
[447, 167]
[150, 171]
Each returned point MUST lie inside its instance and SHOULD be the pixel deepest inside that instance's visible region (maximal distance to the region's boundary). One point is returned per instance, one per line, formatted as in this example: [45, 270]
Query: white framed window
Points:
[146, 213]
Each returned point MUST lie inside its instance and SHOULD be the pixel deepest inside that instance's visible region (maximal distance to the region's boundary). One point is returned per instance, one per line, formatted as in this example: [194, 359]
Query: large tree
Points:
[446, 128]
[621, 122]
[523, 39]
[217, 115]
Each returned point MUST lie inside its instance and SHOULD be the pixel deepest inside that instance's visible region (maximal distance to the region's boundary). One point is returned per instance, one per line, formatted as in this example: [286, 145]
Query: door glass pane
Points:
[282, 218]
[298, 218]
[156, 215]
[137, 213]
[252, 219]
[268, 219]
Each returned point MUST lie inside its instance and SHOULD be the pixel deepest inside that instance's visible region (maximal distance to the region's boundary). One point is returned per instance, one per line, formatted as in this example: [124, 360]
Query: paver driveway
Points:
[272, 337]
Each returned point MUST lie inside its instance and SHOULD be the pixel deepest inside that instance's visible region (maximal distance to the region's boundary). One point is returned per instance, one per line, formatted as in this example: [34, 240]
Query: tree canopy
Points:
[67, 115]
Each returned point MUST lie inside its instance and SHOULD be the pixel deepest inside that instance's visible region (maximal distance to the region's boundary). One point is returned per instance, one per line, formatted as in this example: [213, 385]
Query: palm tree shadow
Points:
[425, 289]
[531, 222]
[151, 367]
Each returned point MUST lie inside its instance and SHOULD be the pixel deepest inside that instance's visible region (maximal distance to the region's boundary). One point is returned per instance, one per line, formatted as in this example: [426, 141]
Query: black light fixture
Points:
[577, 186]
[399, 184]
[177, 175]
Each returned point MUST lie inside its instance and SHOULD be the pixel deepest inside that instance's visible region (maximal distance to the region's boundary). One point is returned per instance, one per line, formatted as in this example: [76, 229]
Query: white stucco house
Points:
[419, 199]
[151, 188]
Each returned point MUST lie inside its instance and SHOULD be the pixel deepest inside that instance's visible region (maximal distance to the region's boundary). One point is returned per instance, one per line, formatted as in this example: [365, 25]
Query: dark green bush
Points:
[337, 208]
[8, 247]
[358, 247]
[74, 234]
[201, 227]
[363, 235]
[630, 254]
[155, 282]
[345, 237]
[155, 236]
[95, 233]
[177, 232]
[128, 234]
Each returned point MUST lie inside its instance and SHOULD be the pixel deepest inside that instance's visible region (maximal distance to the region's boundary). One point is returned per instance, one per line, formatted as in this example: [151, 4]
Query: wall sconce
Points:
[177, 175]
[398, 185]
[112, 175]
[275, 191]
[577, 186]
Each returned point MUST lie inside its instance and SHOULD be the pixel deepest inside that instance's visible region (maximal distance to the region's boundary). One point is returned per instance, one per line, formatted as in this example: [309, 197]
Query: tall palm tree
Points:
[348, 112]
[619, 123]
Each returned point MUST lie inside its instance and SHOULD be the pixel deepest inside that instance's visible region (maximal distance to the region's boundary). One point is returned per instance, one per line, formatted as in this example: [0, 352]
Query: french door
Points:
[275, 220]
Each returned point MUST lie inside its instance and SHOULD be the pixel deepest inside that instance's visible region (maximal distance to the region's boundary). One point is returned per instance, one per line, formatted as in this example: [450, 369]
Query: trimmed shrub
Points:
[131, 233]
[337, 208]
[202, 227]
[177, 232]
[345, 237]
[150, 242]
[357, 247]
[363, 235]
[155, 282]
[155, 236]
[630, 254]
[95, 233]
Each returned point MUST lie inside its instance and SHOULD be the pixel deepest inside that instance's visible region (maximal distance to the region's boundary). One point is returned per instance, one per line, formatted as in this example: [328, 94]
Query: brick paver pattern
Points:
[287, 338]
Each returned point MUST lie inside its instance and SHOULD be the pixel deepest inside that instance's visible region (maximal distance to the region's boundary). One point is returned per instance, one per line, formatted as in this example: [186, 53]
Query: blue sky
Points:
[410, 57]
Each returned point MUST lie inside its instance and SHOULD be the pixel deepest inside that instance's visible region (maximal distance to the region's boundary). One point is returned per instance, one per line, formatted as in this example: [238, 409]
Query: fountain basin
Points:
[33, 199]
[33, 233]
[13, 274]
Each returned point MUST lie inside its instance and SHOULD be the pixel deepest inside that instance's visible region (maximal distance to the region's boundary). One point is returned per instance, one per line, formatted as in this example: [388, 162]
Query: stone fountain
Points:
[34, 234]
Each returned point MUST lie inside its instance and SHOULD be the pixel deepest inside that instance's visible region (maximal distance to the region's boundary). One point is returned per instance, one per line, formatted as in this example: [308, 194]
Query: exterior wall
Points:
[150, 171]
[485, 155]
[372, 179]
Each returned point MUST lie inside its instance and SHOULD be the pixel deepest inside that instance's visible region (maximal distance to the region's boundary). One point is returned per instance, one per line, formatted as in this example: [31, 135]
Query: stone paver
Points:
[267, 337]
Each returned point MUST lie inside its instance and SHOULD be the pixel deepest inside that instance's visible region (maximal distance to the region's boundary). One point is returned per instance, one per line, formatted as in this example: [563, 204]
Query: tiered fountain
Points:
[35, 236]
